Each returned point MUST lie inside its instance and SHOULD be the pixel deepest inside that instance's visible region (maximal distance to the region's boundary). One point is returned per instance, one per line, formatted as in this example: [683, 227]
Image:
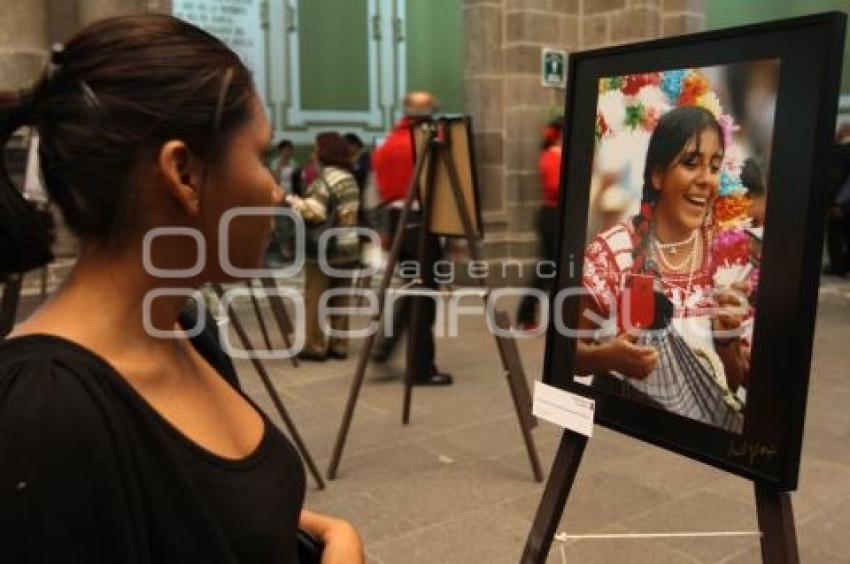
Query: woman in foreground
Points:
[117, 445]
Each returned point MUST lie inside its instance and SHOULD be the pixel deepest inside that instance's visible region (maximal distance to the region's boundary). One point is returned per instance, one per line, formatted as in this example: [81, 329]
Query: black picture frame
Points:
[810, 51]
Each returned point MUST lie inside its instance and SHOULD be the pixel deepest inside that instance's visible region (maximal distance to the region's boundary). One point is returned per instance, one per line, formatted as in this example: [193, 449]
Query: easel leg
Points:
[776, 521]
[515, 376]
[366, 350]
[551, 507]
[278, 404]
[518, 387]
[44, 279]
[284, 324]
[258, 312]
[423, 252]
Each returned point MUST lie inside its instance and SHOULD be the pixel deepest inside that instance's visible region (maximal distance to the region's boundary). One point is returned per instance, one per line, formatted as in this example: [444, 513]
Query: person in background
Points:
[303, 176]
[361, 160]
[362, 167]
[285, 165]
[124, 433]
[332, 196]
[549, 167]
[392, 164]
[752, 179]
[281, 248]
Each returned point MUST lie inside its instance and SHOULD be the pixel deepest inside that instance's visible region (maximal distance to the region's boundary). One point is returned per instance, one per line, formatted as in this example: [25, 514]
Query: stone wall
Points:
[23, 42]
[25, 39]
[509, 106]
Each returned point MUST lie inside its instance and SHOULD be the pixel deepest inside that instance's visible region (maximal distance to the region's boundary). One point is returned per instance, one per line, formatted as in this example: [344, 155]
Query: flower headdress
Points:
[634, 103]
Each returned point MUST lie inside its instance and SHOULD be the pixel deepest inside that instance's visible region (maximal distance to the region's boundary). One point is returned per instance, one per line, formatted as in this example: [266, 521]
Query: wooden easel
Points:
[282, 319]
[431, 149]
[773, 507]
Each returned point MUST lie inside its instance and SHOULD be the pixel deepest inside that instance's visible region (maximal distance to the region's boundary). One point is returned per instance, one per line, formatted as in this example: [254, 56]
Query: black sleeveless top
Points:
[90, 472]
[256, 500]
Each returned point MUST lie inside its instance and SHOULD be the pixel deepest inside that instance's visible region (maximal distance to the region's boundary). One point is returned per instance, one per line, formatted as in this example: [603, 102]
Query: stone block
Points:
[525, 247]
[521, 187]
[494, 248]
[24, 26]
[20, 70]
[62, 22]
[483, 100]
[523, 125]
[597, 6]
[681, 24]
[93, 10]
[159, 6]
[644, 3]
[532, 27]
[595, 31]
[489, 148]
[483, 39]
[635, 24]
[522, 151]
[544, 5]
[494, 222]
[526, 90]
[491, 187]
[523, 59]
[683, 6]
[522, 218]
[565, 6]
[569, 33]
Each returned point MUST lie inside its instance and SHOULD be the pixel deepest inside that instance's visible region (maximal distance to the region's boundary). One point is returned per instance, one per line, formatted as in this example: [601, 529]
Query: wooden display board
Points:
[445, 217]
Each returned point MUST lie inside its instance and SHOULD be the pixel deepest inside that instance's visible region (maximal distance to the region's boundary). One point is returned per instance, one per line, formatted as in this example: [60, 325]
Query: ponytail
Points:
[26, 233]
[642, 223]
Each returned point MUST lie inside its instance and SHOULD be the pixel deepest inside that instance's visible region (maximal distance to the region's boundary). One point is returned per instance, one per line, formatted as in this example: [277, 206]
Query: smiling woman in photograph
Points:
[117, 445]
[672, 333]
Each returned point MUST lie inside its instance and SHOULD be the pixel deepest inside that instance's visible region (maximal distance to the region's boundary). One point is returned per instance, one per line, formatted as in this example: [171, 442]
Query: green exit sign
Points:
[554, 67]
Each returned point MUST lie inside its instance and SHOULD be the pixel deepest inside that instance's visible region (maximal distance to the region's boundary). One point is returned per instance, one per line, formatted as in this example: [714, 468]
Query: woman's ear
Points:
[657, 176]
[180, 169]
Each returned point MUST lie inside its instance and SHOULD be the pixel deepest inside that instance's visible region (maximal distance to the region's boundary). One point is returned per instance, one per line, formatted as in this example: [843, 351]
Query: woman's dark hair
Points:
[672, 133]
[752, 178]
[552, 133]
[354, 140]
[285, 144]
[109, 98]
[332, 150]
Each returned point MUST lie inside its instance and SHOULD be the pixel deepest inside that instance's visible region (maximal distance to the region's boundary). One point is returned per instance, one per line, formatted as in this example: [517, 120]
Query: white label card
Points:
[565, 409]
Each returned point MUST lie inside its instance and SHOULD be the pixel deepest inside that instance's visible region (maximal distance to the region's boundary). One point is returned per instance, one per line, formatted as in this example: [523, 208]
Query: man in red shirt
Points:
[392, 165]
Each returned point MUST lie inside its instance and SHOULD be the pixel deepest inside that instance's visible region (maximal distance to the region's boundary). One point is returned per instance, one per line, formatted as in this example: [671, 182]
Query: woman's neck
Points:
[667, 232]
[100, 304]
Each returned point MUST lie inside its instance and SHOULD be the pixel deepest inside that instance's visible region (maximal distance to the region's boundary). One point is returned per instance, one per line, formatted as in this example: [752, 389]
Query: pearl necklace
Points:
[673, 246]
[690, 260]
[687, 259]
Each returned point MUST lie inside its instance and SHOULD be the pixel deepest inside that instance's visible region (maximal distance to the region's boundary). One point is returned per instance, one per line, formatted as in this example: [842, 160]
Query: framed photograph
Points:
[456, 134]
[694, 189]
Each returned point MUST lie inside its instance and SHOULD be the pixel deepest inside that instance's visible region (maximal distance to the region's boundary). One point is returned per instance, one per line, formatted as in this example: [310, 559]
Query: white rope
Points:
[563, 537]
